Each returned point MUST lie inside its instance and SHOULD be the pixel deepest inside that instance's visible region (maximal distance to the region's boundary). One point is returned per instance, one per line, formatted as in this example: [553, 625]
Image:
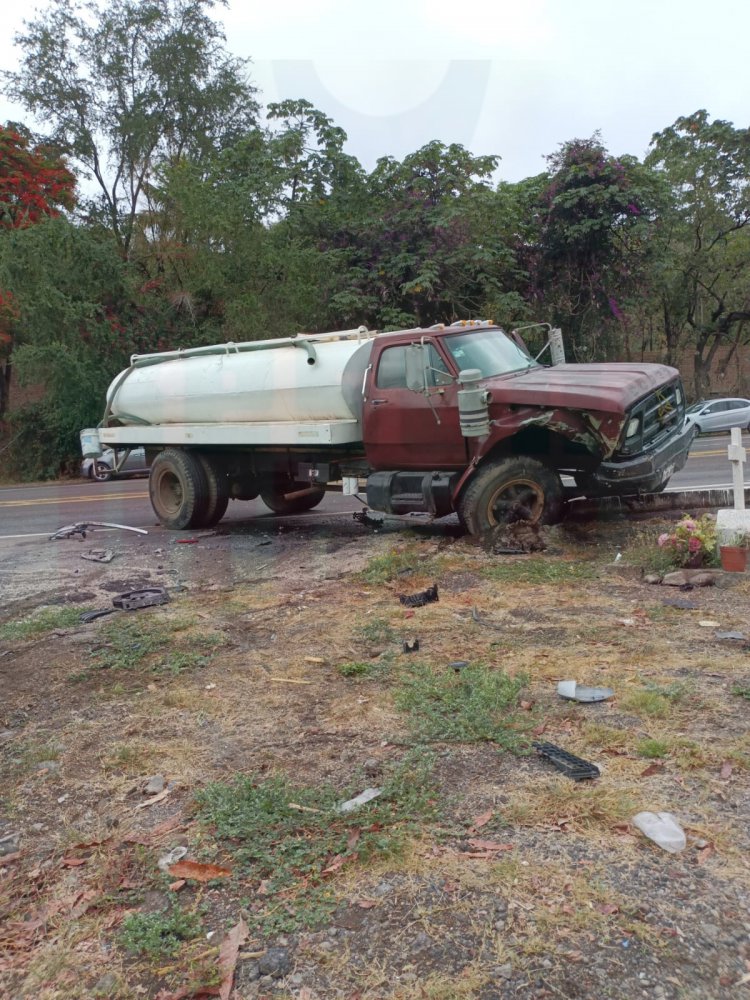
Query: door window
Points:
[392, 368]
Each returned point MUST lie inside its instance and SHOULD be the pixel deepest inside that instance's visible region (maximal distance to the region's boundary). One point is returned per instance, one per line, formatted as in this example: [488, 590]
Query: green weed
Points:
[541, 570]
[292, 840]
[652, 749]
[397, 562]
[645, 702]
[742, 690]
[377, 630]
[355, 669]
[474, 705]
[41, 621]
[177, 662]
[159, 934]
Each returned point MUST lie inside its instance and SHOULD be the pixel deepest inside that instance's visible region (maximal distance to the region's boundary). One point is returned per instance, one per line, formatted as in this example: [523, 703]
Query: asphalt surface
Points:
[28, 512]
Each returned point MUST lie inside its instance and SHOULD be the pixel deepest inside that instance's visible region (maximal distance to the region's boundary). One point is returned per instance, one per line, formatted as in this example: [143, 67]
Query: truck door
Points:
[401, 428]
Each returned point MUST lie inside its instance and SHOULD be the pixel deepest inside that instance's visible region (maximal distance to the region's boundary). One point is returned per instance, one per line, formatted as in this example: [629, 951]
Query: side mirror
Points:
[417, 368]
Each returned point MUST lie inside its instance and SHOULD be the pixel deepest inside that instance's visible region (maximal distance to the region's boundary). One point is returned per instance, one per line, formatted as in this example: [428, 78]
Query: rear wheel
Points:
[218, 494]
[178, 489]
[273, 496]
[512, 489]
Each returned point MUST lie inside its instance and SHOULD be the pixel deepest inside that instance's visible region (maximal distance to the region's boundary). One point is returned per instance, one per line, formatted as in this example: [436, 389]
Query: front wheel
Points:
[178, 489]
[512, 489]
[101, 472]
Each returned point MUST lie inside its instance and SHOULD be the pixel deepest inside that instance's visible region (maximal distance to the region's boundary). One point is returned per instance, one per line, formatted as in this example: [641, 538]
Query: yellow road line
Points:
[58, 500]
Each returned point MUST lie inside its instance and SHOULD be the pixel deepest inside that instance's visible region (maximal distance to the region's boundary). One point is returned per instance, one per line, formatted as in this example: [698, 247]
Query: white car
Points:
[718, 415]
[102, 468]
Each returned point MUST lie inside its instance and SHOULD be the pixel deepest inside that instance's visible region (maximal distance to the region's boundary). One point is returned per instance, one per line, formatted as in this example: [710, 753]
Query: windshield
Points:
[696, 406]
[491, 351]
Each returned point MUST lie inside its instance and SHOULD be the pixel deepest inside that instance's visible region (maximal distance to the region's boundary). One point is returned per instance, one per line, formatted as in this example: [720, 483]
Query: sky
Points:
[514, 78]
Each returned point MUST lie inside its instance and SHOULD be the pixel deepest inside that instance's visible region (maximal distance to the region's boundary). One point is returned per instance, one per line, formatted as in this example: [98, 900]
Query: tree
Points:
[127, 87]
[705, 237]
[594, 221]
[34, 184]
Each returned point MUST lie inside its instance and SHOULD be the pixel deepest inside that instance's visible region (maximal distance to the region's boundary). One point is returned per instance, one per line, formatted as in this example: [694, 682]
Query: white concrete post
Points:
[737, 456]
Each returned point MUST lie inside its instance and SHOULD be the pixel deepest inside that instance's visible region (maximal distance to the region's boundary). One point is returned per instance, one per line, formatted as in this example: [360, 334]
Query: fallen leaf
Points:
[652, 769]
[538, 730]
[482, 819]
[526, 705]
[154, 799]
[353, 838]
[176, 886]
[230, 948]
[338, 862]
[73, 862]
[607, 908]
[726, 770]
[408, 614]
[197, 870]
[489, 845]
[366, 904]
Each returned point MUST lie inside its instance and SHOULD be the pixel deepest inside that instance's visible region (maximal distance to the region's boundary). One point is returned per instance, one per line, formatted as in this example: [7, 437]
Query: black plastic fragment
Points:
[571, 766]
[411, 645]
[420, 599]
[91, 616]
[146, 598]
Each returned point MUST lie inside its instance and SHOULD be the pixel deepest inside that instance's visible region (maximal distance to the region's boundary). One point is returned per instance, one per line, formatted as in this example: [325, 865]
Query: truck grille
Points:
[659, 415]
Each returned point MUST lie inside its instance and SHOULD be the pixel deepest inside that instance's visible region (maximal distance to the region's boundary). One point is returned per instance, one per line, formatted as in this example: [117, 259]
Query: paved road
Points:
[37, 511]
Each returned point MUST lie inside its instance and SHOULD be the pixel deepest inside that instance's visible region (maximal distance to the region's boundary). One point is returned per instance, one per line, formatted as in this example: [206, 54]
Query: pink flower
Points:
[694, 544]
[688, 525]
[662, 540]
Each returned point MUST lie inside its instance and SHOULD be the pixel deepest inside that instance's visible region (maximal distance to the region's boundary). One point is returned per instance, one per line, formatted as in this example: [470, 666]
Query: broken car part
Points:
[576, 692]
[98, 555]
[571, 766]
[83, 526]
[91, 616]
[420, 599]
[367, 796]
[146, 598]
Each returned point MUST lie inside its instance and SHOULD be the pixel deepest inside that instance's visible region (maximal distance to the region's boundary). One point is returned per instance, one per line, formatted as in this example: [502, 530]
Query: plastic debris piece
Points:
[420, 599]
[367, 796]
[98, 555]
[458, 665]
[573, 767]
[81, 527]
[739, 636]
[663, 829]
[411, 645]
[91, 616]
[131, 600]
[577, 692]
[709, 623]
[164, 863]
[484, 621]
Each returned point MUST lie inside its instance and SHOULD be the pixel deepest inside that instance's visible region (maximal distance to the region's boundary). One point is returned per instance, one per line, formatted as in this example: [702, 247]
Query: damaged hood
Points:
[611, 388]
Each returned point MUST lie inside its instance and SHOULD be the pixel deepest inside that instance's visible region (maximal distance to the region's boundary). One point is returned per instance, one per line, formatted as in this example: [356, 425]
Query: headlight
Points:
[633, 426]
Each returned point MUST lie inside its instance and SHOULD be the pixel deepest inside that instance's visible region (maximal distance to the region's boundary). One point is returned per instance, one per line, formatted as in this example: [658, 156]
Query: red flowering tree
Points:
[34, 184]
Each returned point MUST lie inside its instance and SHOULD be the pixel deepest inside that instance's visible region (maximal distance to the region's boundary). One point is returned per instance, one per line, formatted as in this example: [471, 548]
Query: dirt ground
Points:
[275, 685]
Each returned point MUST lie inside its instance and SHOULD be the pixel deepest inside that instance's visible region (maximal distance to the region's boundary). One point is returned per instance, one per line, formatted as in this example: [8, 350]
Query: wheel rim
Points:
[169, 493]
[100, 471]
[512, 494]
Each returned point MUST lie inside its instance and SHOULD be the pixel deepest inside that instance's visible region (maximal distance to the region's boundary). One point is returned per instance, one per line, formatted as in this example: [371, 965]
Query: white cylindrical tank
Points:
[232, 385]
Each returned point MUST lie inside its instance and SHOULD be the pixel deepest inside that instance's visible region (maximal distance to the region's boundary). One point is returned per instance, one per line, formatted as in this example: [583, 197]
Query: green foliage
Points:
[295, 852]
[742, 690]
[355, 668]
[39, 623]
[397, 562]
[540, 570]
[652, 749]
[473, 705]
[159, 934]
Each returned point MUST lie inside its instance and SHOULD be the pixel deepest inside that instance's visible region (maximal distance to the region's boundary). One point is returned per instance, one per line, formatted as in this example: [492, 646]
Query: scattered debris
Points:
[458, 665]
[98, 555]
[679, 602]
[663, 829]
[187, 541]
[709, 623]
[315, 659]
[154, 799]
[230, 948]
[165, 863]
[155, 785]
[288, 680]
[420, 599]
[484, 621]
[363, 517]
[367, 796]
[9, 844]
[198, 871]
[410, 645]
[82, 527]
[131, 600]
[576, 692]
[571, 766]
[91, 616]
[737, 636]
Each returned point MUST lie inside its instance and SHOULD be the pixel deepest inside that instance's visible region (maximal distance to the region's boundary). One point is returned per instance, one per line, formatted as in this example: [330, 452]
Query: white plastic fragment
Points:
[663, 829]
[578, 692]
[367, 796]
[166, 862]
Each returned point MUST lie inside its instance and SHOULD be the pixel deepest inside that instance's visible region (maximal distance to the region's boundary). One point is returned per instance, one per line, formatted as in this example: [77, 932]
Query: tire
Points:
[273, 497]
[218, 494]
[178, 489]
[100, 471]
[500, 486]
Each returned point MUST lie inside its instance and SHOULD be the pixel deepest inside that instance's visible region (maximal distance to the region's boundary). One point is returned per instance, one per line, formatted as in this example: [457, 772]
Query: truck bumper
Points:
[648, 471]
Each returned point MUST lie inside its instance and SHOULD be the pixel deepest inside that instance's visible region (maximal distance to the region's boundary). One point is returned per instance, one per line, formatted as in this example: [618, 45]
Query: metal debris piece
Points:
[420, 599]
[98, 555]
[91, 616]
[363, 517]
[146, 598]
[571, 766]
[367, 796]
[739, 636]
[81, 527]
[458, 665]
[411, 645]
